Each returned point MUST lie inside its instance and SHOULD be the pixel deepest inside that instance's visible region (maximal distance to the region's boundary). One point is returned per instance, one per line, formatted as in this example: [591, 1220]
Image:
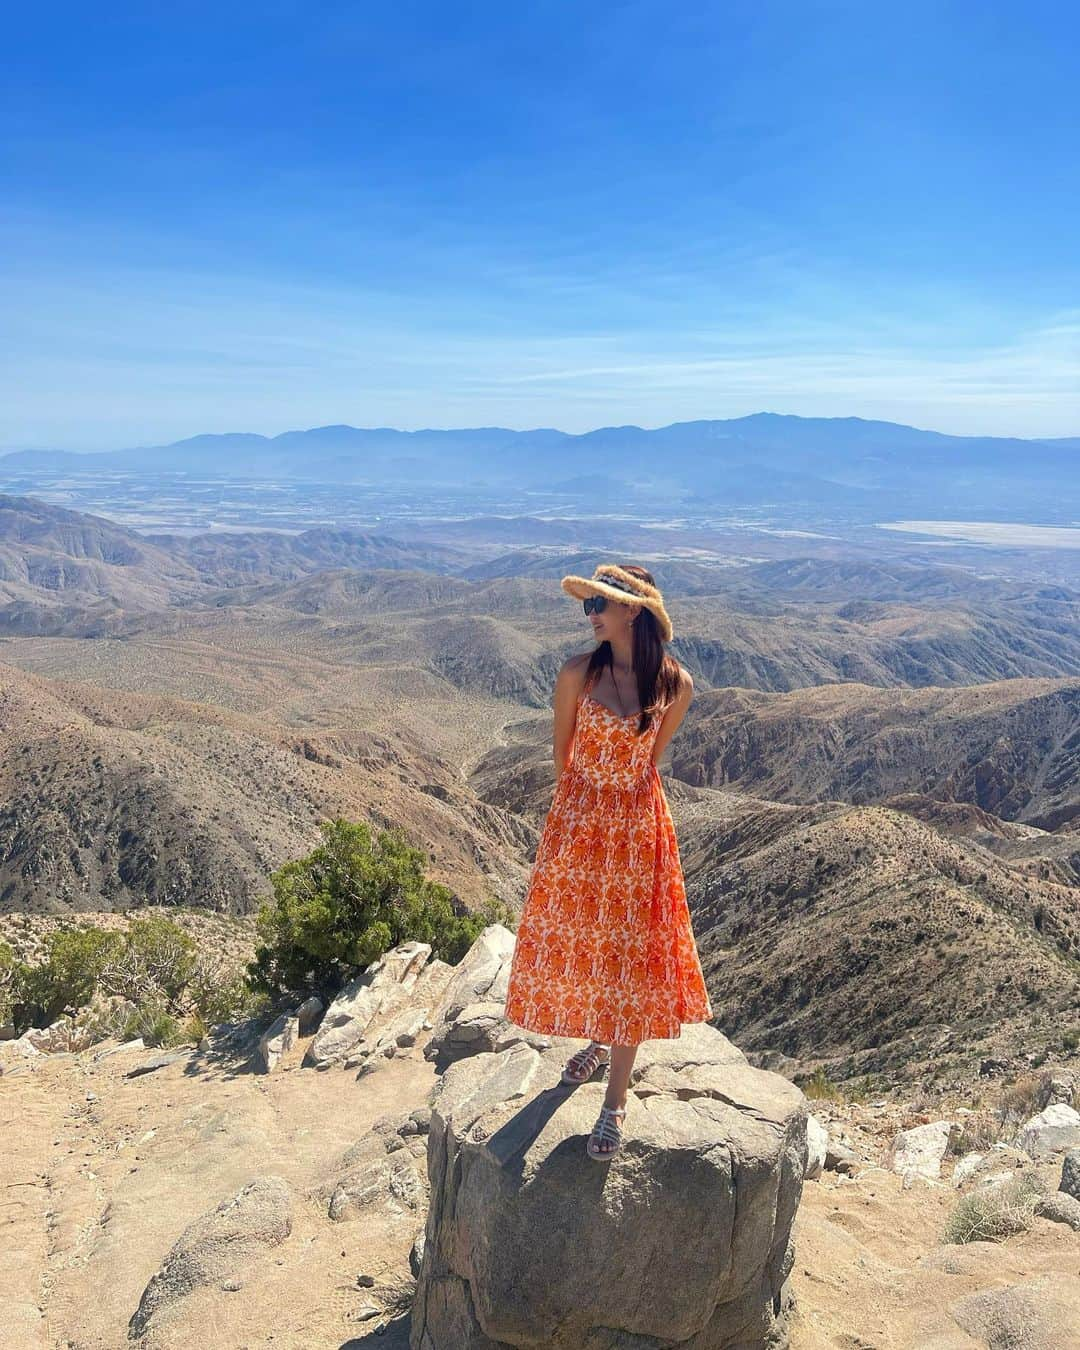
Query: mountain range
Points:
[761, 457]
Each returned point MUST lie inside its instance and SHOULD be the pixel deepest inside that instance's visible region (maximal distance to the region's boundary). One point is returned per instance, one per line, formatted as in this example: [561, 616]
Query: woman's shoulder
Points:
[684, 688]
[572, 672]
[574, 667]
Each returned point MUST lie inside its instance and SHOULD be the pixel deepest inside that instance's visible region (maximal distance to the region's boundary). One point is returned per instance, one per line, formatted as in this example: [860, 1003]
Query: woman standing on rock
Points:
[604, 945]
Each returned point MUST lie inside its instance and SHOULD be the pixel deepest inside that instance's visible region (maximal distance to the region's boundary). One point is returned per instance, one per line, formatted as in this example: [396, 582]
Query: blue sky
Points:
[260, 217]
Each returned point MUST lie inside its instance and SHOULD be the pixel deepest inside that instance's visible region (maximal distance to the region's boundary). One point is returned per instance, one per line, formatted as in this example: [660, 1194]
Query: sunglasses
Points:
[594, 604]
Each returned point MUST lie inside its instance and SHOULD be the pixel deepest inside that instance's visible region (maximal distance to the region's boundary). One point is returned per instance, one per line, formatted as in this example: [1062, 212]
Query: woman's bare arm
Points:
[675, 713]
[568, 685]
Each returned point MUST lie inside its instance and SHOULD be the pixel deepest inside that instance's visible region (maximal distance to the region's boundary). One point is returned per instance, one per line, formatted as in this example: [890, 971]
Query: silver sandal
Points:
[607, 1129]
[583, 1064]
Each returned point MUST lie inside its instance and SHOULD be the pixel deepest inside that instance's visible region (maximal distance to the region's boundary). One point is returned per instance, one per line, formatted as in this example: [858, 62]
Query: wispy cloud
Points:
[135, 353]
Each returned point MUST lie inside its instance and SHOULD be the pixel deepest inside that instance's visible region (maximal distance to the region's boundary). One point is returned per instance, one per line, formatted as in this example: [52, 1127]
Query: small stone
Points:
[1070, 1174]
[1061, 1208]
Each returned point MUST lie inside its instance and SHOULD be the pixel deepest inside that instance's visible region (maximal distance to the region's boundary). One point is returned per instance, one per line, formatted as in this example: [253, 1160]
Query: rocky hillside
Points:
[861, 938]
[111, 799]
[63, 569]
[774, 626]
[1011, 747]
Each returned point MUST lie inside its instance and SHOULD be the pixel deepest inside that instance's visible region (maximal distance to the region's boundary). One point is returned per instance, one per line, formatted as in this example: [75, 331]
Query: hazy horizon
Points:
[148, 442]
[628, 214]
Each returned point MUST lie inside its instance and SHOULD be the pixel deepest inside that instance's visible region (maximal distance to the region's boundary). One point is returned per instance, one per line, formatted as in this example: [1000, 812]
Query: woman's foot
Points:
[606, 1137]
[584, 1063]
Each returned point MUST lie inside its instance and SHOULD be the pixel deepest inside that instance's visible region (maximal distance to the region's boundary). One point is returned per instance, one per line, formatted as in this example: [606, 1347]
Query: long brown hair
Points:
[658, 674]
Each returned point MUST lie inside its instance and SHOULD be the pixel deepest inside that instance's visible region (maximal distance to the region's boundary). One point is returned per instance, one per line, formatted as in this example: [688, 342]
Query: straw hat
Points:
[611, 580]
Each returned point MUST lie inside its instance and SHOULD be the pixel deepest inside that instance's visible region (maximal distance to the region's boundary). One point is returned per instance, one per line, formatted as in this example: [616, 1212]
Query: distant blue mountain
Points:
[770, 455]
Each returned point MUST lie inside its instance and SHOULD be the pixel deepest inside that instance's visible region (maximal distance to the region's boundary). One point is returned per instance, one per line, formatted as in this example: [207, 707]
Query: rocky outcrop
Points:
[384, 1169]
[682, 1240]
[470, 1018]
[216, 1247]
[61, 1037]
[382, 987]
[278, 1037]
[399, 1032]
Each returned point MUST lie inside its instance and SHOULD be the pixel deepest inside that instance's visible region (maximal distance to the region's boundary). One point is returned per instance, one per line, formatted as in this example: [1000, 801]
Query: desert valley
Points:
[877, 796]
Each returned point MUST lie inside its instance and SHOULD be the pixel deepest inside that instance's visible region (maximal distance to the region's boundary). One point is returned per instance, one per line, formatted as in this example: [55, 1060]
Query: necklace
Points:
[618, 694]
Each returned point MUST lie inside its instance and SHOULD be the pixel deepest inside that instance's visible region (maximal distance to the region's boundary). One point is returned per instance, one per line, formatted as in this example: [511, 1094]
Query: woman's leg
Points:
[618, 1082]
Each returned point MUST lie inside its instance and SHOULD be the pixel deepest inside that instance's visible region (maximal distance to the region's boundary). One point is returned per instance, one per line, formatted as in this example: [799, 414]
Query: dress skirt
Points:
[605, 948]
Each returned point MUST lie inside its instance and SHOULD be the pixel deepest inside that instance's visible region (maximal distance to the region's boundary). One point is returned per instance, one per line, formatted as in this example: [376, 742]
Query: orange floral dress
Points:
[604, 945]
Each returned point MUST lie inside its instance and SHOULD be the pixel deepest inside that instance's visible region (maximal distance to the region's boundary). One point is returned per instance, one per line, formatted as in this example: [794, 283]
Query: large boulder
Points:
[383, 987]
[215, 1247]
[278, 1037]
[308, 1015]
[61, 1037]
[817, 1137]
[918, 1152]
[22, 1047]
[682, 1240]
[1033, 1315]
[1061, 1208]
[1053, 1130]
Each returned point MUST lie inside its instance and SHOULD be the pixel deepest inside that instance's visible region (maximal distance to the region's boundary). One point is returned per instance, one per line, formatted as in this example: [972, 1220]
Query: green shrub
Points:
[993, 1213]
[68, 976]
[154, 1023]
[349, 901]
[1070, 1040]
[820, 1087]
[9, 970]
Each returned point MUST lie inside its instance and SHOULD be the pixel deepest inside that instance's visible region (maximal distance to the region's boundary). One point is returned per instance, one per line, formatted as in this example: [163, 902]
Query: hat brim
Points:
[580, 587]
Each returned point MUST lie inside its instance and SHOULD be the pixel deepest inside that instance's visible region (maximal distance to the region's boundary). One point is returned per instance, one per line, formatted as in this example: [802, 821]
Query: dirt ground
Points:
[100, 1173]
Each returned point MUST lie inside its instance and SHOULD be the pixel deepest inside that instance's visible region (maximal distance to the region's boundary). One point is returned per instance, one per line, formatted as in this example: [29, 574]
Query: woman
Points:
[604, 946]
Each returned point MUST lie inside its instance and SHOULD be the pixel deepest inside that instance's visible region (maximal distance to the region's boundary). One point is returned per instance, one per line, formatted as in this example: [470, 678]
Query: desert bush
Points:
[218, 993]
[104, 1018]
[818, 1086]
[349, 901]
[68, 976]
[993, 1213]
[153, 1021]
[1024, 1097]
[976, 1135]
[8, 972]
[155, 958]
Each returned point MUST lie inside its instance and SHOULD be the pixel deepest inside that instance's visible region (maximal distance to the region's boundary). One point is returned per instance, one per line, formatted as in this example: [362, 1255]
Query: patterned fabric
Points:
[604, 945]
